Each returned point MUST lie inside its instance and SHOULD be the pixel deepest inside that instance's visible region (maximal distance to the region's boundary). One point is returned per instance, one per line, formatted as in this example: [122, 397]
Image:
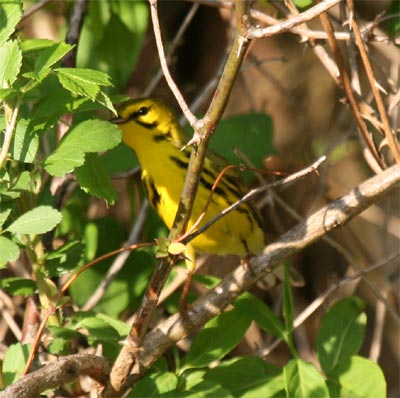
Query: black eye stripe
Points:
[143, 111]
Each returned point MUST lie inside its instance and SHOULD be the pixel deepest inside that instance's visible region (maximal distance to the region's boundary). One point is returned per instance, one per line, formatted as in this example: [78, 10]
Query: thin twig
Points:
[174, 45]
[346, 85]
[311, 13]
[36, 7]
[284, 181]
[393, 144]
[164, 66]
[76, 20]
[321, 299]
[10, 129]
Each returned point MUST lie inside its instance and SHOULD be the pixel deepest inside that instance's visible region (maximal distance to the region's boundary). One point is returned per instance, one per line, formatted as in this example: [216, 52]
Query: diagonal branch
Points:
[317, 225]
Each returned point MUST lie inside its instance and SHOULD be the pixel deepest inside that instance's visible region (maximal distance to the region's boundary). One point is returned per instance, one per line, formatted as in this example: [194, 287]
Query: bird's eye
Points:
[144, 110]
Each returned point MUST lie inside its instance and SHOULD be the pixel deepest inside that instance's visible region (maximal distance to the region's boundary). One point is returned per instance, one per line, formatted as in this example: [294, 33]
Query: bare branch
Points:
[164, 66]
[304, 234]
[258, 33]
[63, 371]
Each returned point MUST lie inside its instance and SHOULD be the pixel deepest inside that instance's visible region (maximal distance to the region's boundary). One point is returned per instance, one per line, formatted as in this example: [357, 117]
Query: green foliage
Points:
[250, 377]
[341, 333]
[233, 323]
[98, 48]
[14, 362]
[50, 131]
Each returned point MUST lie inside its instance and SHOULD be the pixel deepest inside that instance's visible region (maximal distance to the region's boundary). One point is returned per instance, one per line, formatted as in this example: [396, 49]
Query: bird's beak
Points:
[118, 120]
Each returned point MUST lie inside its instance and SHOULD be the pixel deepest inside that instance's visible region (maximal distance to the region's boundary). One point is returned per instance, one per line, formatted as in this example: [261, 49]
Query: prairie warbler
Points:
[153, 132]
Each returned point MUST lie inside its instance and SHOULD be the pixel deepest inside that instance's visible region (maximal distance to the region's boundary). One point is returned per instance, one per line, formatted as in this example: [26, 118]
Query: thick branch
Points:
[58, 373]
[332, 216]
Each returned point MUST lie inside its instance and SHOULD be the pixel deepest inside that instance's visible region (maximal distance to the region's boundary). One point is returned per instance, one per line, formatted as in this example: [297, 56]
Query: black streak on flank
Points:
[151, 190]
[183, 164]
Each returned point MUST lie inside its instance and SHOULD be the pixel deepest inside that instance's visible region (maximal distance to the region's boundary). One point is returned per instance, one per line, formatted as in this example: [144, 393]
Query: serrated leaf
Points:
[36, 221]
[261, 313]
[93, 136]
[219, 336]
[64, 160]
[50, 55]
[94, 179]
[85, 82]
[357, 377]
[341, 333]
[88, 136]
[10, 63]
[302, 379]
[103, 99]
[10, 15]
[9, 251]
[30, 46]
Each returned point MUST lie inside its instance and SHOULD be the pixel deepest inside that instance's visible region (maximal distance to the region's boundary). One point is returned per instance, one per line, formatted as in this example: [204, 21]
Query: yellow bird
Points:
[153, 132]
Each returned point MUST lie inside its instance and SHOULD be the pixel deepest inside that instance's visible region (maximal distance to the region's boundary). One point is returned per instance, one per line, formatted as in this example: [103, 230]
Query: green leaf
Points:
[61, 339]
[88, 136]
[7, 93]
[3, 217]
[252, 133]
[302, 3]
[288, 310]
[155, 386]
[64, 160]
[65, 258]
[10, 15]
[288, 302]
[50, 55]
[85, 82]
[18, 286]
[25, 143]
[93, 136]
[341, 333]
[36, 221]
[357, 377]
[302, 379]
[34, 46]
[218, 337]
[10, 63]
[94, 179]
[120, 159]
[248, 377]
[261, 313]
[204, 389]
[97, 49]
[9, 251]
[14, 362]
